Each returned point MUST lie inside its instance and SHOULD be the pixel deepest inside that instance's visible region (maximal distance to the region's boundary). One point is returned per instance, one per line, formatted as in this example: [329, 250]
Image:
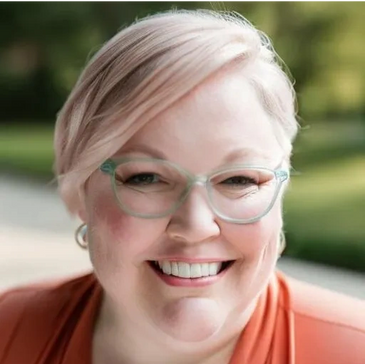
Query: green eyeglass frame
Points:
[110, 165]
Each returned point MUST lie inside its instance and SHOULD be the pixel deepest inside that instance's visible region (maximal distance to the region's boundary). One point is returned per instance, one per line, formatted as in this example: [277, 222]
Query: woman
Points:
[174, 150]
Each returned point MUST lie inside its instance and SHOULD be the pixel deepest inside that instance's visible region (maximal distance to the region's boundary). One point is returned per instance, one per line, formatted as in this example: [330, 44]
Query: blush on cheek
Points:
[251, 239]
[126, 235]
[106, 215]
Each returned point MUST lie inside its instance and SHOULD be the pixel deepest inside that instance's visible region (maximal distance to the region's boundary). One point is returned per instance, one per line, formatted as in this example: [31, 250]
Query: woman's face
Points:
[220, 123]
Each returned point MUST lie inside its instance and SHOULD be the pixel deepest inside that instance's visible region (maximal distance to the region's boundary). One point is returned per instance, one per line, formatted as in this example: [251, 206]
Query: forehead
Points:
[220, 122]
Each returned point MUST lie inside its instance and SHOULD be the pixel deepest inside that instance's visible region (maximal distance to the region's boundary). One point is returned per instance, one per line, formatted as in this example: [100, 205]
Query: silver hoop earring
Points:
[282, 243]
[80, 236]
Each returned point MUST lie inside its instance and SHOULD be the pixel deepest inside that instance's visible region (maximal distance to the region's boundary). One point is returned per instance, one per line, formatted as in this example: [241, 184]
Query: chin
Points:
[191, 319]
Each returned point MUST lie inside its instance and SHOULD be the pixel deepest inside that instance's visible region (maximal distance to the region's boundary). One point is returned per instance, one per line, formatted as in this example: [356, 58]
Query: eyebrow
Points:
[246, 153]
[145, 149]
[229, 158]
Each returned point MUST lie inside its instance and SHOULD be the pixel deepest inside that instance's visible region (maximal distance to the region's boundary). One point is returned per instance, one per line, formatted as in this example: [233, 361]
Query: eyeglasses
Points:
[154, 188]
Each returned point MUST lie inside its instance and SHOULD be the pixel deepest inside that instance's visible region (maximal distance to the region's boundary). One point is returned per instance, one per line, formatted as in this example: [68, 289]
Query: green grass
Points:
[324, 210]
[328, 143]
[27, 149]
[325, 214]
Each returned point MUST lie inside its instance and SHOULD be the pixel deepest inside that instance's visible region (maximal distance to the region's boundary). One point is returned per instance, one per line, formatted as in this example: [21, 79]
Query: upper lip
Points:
[192, 260]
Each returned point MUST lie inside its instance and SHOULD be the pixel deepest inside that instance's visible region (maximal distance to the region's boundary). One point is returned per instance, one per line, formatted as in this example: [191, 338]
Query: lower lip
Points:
[189, 282]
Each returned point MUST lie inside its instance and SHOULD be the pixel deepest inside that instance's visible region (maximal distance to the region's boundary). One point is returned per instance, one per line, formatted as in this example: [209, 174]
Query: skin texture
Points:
[143, 320]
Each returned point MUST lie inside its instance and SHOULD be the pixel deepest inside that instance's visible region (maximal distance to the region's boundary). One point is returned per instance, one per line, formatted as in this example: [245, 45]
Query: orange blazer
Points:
[294, 323]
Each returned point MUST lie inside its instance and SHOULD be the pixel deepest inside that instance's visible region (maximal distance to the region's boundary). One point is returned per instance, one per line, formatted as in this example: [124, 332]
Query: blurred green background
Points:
[44, 46]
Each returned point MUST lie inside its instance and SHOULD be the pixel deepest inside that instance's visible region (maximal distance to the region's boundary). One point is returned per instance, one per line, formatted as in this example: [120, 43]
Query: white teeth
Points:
[175, 269]
[195, 271]
[166, 268]
[205, 269]
[186, 270]
[213, 269]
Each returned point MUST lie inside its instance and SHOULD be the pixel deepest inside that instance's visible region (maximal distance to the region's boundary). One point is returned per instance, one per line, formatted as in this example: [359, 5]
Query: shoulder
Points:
[36, 296]
[320, 304]
[32, 313]
[327, 325]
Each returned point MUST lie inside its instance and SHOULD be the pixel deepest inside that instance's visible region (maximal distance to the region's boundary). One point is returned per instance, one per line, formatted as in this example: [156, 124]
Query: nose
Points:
[194, 221]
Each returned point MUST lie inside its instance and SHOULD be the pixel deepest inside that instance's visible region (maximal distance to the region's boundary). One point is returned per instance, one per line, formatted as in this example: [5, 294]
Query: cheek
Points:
[258, 245]
[252, 239]
[118, 239]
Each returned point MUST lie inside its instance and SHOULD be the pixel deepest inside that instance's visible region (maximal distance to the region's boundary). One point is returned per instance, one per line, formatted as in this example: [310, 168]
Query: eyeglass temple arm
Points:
[108, 167]
[282, 175]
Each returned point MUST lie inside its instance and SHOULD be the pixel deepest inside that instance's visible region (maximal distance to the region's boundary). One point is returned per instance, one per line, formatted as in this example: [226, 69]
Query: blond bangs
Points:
[145, 69]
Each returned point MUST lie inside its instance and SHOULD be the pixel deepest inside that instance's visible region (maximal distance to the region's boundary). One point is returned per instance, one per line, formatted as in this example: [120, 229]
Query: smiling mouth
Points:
[190, 271]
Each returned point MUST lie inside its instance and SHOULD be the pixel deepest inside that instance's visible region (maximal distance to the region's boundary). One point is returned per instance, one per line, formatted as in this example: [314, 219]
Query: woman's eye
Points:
[142, 179]
[239, 181]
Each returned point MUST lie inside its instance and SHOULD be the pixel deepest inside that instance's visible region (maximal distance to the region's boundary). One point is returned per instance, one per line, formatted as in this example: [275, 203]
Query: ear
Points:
[82, 203]
[81, 213]
[82, 210]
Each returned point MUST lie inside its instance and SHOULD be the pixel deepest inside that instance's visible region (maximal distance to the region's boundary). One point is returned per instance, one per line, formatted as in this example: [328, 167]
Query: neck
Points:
[118, 340]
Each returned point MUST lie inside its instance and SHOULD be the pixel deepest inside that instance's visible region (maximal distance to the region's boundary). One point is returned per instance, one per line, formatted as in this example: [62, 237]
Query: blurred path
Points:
[36, 242]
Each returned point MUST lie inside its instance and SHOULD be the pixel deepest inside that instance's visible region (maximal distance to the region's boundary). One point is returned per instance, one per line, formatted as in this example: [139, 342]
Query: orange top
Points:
[294, 323]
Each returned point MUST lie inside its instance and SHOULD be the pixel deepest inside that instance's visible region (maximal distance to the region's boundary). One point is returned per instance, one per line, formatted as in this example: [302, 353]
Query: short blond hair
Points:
[147, 67]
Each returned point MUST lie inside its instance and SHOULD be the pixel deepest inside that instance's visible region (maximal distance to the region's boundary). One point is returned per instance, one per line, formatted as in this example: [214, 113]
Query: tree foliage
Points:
[44, 46]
